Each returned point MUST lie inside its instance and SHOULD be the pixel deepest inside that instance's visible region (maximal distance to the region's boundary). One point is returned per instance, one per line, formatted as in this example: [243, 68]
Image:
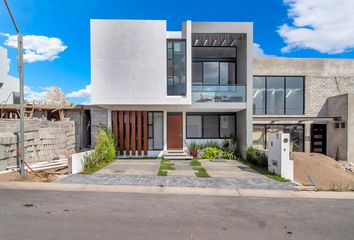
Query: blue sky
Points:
[284, 28]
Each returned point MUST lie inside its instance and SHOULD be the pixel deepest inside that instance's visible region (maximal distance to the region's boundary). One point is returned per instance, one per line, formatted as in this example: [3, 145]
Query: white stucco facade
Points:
[129, 70]
[9, 84]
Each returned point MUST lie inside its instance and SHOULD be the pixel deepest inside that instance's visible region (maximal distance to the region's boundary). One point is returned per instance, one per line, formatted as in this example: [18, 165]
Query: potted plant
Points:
[193, 149]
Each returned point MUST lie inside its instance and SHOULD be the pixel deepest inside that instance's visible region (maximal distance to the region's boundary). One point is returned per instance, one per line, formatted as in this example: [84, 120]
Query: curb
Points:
[175, 190]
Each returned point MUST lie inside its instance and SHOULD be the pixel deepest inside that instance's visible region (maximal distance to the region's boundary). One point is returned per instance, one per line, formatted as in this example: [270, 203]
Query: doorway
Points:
[174, 131]
[319, 138]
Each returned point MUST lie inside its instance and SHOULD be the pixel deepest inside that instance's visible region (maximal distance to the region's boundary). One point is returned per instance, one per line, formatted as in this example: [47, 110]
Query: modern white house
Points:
[162, 89]
[9, 86]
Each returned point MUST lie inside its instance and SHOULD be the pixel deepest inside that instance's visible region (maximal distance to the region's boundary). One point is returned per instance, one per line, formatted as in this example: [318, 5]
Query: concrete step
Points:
[175, 154]
[178, 157]
[175, 151]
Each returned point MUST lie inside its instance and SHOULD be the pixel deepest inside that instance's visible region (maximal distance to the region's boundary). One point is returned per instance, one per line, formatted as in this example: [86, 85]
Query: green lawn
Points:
[201, 172]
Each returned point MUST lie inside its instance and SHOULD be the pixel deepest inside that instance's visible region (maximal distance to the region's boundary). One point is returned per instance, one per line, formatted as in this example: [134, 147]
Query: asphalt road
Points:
[50, 215]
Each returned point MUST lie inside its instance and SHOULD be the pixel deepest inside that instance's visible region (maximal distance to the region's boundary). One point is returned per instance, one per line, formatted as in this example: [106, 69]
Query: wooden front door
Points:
[174, 131]
[319, 138]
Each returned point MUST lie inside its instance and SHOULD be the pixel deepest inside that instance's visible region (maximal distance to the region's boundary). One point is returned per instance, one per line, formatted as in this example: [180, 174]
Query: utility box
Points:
[279, 161]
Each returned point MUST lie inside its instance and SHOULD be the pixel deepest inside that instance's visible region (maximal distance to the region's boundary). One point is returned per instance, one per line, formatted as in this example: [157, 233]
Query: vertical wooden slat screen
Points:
[145, 133]
[127, 131]
[121, 133]
[115, 126]
[139, 133]
[133, 133]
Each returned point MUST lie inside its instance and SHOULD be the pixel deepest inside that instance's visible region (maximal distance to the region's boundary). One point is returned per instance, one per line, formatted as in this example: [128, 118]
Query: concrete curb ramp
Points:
[175, 190]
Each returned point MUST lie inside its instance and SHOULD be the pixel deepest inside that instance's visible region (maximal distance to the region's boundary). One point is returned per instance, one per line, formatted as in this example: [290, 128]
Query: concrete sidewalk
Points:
[176, 190]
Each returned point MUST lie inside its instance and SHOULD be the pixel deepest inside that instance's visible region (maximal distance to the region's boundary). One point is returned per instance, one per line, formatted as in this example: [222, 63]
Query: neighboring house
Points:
[160, 90]
[9, 86]
[312, 99]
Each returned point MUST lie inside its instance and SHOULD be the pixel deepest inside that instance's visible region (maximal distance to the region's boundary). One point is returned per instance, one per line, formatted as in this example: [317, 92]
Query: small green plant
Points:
[103, 153]
[229, 155]
[195, 162]
[257, 157]
[193, 148]
[210, 144]
[211, 153]
[201, 172]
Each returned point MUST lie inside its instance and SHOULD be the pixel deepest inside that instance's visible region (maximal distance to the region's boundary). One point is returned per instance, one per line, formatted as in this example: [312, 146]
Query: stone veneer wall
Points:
[44, 140]
[99, 118]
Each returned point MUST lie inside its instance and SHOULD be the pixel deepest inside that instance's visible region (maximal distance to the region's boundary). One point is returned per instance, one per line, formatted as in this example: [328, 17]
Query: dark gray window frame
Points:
[153, 126]
[209, 114]
[218, 60]
[266, 91]
[185, 65]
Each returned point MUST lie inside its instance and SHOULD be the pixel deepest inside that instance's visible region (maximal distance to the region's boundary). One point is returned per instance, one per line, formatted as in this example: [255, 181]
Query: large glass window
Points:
[261, 135]
[211, 73]
[227, 126]
[197, 73]
[278, 95]
[194, 126]
[275, 95]
[227, 73]
[176, 67]
[155, 130]
[259, 93]
[211, 125]
[294, 95]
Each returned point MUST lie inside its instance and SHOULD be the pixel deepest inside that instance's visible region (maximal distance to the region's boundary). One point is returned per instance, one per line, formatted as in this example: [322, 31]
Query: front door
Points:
[319, 138]
[174, 131]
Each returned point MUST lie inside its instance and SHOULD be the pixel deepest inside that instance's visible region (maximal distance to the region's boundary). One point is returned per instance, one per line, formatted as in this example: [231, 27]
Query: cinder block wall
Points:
[44, 140]
[324, 78]
[99, 118]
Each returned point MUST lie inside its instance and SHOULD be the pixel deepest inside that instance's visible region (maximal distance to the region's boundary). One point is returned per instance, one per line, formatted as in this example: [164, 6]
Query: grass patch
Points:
[263, 171]
[201, 172]
[195, 162]
[164, 166]
[162, 173]
[94, 169]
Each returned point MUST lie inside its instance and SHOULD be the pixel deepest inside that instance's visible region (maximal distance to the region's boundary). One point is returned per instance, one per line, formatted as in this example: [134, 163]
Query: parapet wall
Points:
[44, 140]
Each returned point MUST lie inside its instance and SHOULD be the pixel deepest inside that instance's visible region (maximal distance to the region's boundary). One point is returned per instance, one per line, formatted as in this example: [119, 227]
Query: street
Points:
[28, 214]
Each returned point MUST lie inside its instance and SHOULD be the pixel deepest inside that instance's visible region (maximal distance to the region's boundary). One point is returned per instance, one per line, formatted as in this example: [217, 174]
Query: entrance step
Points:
[178, 157]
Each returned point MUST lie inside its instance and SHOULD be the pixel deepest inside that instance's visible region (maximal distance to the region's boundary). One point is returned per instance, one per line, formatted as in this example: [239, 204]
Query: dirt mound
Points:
[326, 172]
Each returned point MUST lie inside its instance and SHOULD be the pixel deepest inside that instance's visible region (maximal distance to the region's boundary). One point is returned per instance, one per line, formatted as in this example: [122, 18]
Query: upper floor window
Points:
[278, 95]
[176, 67]
[214, 66]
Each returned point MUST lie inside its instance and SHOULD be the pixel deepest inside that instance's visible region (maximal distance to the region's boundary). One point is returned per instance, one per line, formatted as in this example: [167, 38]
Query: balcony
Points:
[222, 94]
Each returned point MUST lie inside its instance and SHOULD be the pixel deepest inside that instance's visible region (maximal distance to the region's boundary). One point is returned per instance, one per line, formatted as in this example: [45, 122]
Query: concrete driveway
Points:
[149, 167]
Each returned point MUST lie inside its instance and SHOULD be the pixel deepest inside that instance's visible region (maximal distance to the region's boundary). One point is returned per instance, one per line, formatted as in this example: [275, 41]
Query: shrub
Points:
[91, 160]
[105, 146]
[193, 148]
[257, 157]
[211, 153]
[228, 155]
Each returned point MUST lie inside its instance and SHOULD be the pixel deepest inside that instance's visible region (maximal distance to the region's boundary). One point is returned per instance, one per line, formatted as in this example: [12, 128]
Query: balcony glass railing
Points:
[231, 93]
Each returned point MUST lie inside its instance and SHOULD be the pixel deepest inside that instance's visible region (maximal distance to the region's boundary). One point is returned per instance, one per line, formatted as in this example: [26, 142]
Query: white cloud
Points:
[82, 93]
[34, 95]
[322, 25]
[258, 52]
[37, 48]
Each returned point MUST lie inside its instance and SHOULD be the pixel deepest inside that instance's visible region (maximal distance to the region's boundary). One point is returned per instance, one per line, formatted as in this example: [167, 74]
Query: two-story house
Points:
[159, 90]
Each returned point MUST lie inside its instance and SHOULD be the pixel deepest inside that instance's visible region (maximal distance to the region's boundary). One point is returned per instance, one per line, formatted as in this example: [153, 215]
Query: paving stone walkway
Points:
[179, 181]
